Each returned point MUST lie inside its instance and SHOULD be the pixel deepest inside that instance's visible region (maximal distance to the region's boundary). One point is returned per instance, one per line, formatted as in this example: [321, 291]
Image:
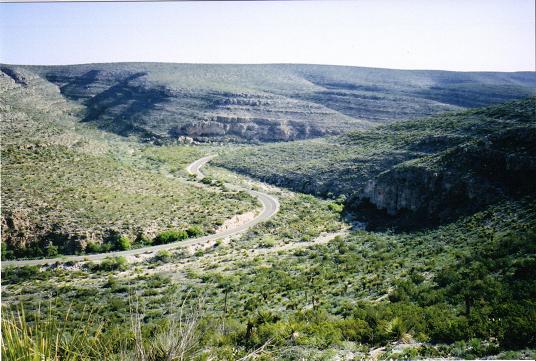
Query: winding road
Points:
[270, 206]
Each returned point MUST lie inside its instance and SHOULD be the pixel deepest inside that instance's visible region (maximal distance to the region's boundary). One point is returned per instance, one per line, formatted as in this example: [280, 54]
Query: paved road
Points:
[270, 206]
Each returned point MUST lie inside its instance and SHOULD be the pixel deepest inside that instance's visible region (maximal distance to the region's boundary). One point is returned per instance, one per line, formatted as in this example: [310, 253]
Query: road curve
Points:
[270, 206]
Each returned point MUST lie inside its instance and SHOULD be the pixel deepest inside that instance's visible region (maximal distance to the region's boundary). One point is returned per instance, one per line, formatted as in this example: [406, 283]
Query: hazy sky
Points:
[450, 35]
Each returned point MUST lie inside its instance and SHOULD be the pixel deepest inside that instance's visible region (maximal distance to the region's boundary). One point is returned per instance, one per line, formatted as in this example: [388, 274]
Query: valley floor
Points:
[302, 285]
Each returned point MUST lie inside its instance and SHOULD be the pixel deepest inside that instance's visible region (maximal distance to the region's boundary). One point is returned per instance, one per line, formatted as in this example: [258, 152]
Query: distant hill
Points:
[419, 172]
[160, 101]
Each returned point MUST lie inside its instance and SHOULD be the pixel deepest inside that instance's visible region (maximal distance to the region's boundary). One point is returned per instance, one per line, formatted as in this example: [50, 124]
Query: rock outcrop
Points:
[262, 103]
[467, 177]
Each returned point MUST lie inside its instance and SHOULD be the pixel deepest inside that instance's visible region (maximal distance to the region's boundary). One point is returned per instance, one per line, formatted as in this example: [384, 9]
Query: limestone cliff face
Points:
[260, 129]
[135, 102]
[428, 169]
[470, 176]
[427, 193]
[17, 228]
[401, 189]
[19, 231]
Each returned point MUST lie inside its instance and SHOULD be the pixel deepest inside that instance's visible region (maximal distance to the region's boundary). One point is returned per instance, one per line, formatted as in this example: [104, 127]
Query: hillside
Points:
[162, 102]
[426, 170]
[66, 185]
[444, 270]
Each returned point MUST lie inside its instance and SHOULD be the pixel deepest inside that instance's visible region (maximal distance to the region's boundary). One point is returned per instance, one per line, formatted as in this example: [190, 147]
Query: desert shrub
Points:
[52, 250]
[336, 207]
[163, 255]
[170, 236]
[194, 231]
[268, 242]
[157, 280]
[110, 264]
[143, 239]
[207, 180]
[106, 247]
[93, 247]
[27, 273]
[111, 282]
[6, 252]
[123, 243]
[354, 330]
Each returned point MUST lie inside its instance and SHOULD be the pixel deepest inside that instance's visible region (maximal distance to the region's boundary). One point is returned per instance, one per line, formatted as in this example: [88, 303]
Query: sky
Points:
[461, 35]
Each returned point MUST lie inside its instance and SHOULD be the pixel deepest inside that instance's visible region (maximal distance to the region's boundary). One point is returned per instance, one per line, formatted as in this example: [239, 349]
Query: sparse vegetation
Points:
[371, 289]
[63, 189]
[311, 282]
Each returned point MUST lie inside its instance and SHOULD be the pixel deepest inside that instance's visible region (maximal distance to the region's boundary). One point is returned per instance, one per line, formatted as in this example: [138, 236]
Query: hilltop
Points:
[163, 102]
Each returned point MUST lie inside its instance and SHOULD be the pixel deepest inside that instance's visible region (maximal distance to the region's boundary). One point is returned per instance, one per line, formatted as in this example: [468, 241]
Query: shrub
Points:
[355, 330]
[112, 282]
[143, 239]
[268, 242]
[194, 231]
[170, 236]
[105, 247]
[163, 255]
[93, 247]
[110, 264]
[336, 207]
[52, 250]
[4, 251]
[12, 275]
[207, 180]
[123, 243]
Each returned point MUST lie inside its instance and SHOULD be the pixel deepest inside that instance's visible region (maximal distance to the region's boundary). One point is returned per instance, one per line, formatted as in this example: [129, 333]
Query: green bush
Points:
[170, 236]
[354, 330]
[143, 240]
[163, 255]
[93, 247]
[336, 207]
[268, 242]
[207, 180]
[123, 243]
[52, 250]
[194, 231]
[110, 264]
[6, 254]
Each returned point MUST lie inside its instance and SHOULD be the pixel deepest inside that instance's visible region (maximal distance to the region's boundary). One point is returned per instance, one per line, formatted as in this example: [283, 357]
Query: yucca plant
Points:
[178, 340]
[48, 338]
